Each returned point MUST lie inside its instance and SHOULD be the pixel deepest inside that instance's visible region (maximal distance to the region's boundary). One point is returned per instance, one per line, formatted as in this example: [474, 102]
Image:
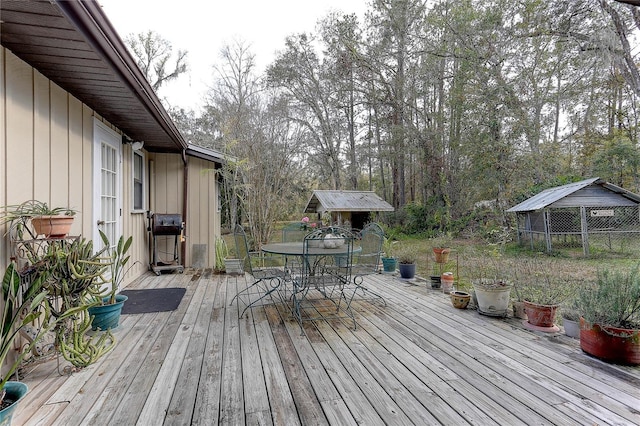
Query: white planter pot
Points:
[571, 328]
[314, 243]
[493, 301]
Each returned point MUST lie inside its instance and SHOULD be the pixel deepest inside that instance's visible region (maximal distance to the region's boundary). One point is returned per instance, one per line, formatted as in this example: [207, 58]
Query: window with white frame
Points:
[138, 180]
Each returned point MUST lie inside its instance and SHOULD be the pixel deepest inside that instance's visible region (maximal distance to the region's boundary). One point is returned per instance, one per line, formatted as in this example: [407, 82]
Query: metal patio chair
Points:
[266, 279]
[325, 273]
[367, 260]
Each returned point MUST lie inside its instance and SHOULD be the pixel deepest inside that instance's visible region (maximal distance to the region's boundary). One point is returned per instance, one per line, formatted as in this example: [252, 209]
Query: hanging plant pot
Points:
[611, 344]
[441, 254]
[52, 226]
[15, 391]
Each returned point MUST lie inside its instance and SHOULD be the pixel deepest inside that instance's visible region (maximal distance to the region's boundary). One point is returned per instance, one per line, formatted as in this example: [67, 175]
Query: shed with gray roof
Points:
[352, 207]
[592, 213]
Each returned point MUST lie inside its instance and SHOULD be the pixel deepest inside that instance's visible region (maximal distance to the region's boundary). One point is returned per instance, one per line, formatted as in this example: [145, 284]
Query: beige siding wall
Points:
[166, 178]
[203, 218]
[46, 154]
[202, 223]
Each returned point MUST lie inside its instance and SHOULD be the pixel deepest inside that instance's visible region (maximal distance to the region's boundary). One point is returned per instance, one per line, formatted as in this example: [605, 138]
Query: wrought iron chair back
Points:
[266, 280]
[293, 232]
[327, 274]
[242, 248]
[368, 259]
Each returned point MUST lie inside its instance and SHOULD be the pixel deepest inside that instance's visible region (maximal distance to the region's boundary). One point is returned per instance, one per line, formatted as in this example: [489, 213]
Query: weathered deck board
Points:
[495, 357]
[415, 361]
[544, 379]
[183, 399]
[231, 394]
[207, 403]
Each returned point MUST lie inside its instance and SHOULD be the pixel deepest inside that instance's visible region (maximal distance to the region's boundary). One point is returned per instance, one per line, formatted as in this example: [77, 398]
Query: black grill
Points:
[167, 224]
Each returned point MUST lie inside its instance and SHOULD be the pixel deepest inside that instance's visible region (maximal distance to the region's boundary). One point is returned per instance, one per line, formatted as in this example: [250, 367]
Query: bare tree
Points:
[154, 54]
[261, 143]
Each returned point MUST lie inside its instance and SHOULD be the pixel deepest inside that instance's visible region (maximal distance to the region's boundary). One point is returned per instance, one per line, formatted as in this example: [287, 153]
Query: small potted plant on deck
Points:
[73, 274]
[491, 284]
[541, 289]
[221, 253]
[106, 314]
[441, 248]
[571, 318]
[407, 263]
[388, 260]
[22, 305]
[610, 316]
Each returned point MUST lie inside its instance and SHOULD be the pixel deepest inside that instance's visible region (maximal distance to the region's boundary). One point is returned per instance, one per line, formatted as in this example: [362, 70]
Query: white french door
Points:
[107, 165]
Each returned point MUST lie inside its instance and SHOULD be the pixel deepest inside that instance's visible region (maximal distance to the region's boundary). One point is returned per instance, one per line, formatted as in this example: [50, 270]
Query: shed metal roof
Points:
[549, 196]
[346, 201]
[73, 44]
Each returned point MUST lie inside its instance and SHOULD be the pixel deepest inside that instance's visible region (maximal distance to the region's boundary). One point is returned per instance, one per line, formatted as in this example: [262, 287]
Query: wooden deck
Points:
[416, 361]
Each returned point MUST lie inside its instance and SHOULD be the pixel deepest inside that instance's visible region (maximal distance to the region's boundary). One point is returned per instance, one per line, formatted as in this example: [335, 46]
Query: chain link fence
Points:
[591, 230]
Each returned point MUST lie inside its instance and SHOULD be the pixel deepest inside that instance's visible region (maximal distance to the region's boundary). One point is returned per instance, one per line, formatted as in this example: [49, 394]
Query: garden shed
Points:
[355, 208]
[592, 214]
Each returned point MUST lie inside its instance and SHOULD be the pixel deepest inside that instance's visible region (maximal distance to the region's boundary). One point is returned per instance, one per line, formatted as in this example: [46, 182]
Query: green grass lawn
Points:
[471, 258]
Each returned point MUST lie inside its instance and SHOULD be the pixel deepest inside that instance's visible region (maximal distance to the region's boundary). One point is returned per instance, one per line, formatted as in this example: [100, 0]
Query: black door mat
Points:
[152, 300]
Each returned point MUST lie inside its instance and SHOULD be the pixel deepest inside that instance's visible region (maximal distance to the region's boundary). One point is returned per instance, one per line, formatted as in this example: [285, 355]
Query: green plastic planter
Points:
[389, 264]
[107, 316]
[15, 391]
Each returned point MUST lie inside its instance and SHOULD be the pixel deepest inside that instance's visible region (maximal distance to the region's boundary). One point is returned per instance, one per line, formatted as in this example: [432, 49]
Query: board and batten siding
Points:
[46, 154]
[203, 216]
[202, 221]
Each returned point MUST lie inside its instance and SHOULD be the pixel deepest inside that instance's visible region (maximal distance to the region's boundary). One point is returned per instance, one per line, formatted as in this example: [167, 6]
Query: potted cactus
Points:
[22, 306]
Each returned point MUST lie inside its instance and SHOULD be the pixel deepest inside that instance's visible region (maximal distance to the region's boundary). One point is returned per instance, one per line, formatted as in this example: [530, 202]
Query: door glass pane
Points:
[109, 188]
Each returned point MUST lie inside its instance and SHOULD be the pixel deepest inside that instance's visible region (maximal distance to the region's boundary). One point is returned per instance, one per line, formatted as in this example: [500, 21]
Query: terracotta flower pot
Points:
[447, 281]
[540, 315]
[52, 226]
[611, 344]
[441, 254]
